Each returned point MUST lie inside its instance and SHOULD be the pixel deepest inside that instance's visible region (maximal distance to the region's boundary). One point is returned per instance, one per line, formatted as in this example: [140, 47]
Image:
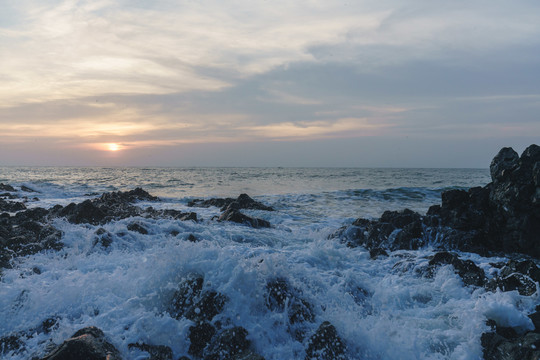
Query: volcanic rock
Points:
[11, 206]
[243, 201]
[156, 352]
[88, 343]
[501, 217]
[466, 269]
[281, 296]
[236, 216]
[189, 290]
[506, 343]
[326, 344]
[229, 344]
[200, 336]
[7, 187]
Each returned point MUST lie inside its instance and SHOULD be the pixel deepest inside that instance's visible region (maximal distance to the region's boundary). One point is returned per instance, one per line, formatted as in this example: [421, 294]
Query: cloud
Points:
[168, 74]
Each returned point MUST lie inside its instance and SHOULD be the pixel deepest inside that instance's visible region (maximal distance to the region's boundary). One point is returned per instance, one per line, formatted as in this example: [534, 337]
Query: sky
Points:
[382, 83]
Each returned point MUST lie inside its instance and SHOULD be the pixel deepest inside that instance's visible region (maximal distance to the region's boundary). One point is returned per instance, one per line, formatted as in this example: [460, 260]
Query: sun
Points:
[113, 147]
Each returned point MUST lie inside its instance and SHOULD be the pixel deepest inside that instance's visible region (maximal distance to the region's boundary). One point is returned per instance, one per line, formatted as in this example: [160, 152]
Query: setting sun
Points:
[113, 147]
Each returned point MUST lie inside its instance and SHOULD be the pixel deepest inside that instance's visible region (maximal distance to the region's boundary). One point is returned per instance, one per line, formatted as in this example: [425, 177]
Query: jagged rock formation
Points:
[501, 217]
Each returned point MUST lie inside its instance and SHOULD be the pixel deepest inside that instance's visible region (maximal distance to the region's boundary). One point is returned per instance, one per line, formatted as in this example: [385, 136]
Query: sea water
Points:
[382, 309]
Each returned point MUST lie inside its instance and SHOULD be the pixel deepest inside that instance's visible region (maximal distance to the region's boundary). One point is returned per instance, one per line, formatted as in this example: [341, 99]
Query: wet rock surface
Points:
[522, 276]
[502, 217]
[209, 339]
[325, 344]
[504, 343]
[230, 209]
[466, 269]
[243, 201]
[88, 343]
[156, 352]
[237, 217]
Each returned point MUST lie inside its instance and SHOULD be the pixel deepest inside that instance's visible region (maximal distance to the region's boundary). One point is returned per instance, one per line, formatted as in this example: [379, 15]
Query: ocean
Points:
[381, 309]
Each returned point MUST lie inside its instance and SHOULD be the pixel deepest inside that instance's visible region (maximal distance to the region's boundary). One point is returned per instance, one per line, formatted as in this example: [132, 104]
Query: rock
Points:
[88, 343]
[229, 343]
[110, 206]
[220, 203]
[178, 215]
[103, 238]
[394, 230]
[281, 297]
[517, 275]
[326, 344]
[10, 343]
[377, 253]
[507, 344]
[237, 217]
[244, 201]
[27, 189]
[188, 291]
[85, 212]
[192, 238]
[535, 318]
[7, 187]
[504, 162]
[20, 235]
[466, 269]
[501, 217]
[200, 336]
[137, 228]
[210, 304]
[11, 206]
[156, 352]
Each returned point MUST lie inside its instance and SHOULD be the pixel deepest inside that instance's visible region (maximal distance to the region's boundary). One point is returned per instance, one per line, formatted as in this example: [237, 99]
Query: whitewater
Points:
[382, 308]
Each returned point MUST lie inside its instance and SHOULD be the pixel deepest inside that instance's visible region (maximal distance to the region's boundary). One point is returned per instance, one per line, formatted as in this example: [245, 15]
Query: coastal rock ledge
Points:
[501, 217]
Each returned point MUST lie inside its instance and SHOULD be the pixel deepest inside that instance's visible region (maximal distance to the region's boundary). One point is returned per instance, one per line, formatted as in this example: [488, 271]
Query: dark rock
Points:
[11, 206]
[137, 228]
[188, 291]
[27, 189]
[281, 296]
[10, 343]
[535, 318]
[200, 336]
[377, 252]
[88, 343]
[138, 194]
[220, 203]
[394, 230]
[517, 275]
[501, 217]
[503, 163]
[326, 344]
[156, 352]
[210, 304]
[171, 213]
[237, 217]
[85, 212]
[498, 347]
[244, 201]
[466, 269]
[192, 238]
[7, 187]
[229, 343]
[103, 238]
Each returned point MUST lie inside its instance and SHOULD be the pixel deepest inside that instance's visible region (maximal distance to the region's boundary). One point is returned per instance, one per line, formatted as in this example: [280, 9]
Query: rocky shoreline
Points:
[499, 219]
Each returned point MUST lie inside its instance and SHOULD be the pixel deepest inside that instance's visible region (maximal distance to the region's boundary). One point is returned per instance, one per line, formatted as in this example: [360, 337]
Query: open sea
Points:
[382, 309]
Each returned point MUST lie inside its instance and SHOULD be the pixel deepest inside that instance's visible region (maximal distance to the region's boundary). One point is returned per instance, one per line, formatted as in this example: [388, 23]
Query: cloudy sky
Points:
[267, 83]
